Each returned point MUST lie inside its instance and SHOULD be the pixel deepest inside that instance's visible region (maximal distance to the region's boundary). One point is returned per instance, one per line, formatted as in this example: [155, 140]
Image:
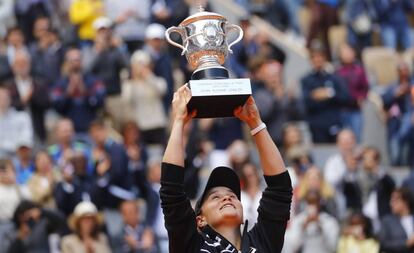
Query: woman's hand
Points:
[179, 105]
[249, 113]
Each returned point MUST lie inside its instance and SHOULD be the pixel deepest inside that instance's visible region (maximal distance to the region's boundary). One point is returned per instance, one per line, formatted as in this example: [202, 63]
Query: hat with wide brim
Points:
[220, 176]
[84, 209]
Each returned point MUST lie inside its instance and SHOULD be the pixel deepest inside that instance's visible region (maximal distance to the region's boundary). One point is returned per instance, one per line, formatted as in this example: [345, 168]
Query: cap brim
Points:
[220, 176]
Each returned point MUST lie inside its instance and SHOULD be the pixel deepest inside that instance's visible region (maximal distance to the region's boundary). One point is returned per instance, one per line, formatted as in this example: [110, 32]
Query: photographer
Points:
[312, 230]
[34, 225]
[214, 226]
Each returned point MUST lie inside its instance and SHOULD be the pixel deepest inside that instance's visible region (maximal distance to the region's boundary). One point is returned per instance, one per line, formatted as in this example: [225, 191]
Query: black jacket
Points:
[266, 236]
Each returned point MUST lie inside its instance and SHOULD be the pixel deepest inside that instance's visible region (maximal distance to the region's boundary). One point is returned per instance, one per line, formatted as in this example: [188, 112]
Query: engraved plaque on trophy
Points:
[204, 43]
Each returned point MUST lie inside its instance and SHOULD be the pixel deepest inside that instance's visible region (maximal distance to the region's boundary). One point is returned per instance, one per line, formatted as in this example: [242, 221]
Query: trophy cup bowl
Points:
[204, 43]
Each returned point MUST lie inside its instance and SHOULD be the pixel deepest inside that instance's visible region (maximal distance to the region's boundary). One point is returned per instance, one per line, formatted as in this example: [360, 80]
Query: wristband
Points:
[259, 128]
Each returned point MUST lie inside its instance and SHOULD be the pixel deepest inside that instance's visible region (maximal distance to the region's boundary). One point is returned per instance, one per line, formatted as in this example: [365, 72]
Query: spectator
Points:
[324, 14]
[15, 41]
[277, 105]
[107, 62]
[15, 127]
[78, 95]
[337, 164]
[222, 132]
[113, 178]
[66, 144]
[43, 181]
[143, 97]
[267, 50]
[23, 162]
[168, 12]
[292, 138]
[251, 193]
[409, 182]
[397, 233]
[28, 11]
[395, 28]
[11, 194]
[300, 160]
[28, 93]
[133, 144]
[238, 60]
[357, 236]
[76, 185]
[136, 236]
[398, 104]
[369, 189]
[239, 155]
[357, 84]
[34, 225]
[197, 155]
[41, 25]
[155, 46]
[7, 18]
[360, 16]
[86, 236]
[313, 181]
[83, 13]
[131, 19]
[155, 217]
[47, 56]
[324, 96]
[312, 230]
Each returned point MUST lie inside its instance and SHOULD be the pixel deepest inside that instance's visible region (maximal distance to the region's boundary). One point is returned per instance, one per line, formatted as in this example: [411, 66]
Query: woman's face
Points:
[314, 178]
[250, 174]
[130, 133]
[87, 225]
[222, 208]
[292, 136]
[7, 176]
[397, 203]
[43, 163]
[347, 54]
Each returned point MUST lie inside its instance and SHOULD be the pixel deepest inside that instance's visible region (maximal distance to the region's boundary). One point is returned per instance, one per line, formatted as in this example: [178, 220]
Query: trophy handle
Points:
[177, 30]
[239, 30]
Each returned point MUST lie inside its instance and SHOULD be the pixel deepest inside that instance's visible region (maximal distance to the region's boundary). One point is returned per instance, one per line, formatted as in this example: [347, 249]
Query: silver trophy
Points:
[205, 44]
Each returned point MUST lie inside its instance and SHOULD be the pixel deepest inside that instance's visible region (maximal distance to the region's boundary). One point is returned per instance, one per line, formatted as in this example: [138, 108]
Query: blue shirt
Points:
[23, 174]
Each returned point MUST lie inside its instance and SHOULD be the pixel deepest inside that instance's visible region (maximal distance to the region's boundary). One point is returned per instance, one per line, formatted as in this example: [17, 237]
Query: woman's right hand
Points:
[179, 105]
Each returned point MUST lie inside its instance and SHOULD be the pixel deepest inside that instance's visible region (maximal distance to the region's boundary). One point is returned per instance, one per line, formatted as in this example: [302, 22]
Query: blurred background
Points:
[85, 94]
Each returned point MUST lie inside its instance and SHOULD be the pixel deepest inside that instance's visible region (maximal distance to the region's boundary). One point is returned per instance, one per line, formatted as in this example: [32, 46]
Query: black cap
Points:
[220, 176]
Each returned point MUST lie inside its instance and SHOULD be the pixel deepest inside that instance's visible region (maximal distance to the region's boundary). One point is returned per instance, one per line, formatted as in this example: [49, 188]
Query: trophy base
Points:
[218, 98]
[210, 73]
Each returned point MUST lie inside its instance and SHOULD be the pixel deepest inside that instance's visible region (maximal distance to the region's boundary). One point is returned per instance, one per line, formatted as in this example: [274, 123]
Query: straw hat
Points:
[85, 209]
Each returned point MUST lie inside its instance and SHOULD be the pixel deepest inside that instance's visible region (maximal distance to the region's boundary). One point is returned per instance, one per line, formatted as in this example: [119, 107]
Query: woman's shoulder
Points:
[70, 238]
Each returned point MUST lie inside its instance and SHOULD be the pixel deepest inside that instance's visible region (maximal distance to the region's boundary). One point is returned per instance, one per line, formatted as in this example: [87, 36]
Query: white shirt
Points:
[335, 169]
[15, 128]
[407, 224]
[11, 195]
[24, 86]
[250, 206]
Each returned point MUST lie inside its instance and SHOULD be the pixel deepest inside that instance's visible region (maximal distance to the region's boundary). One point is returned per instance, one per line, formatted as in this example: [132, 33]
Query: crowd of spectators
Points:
[85, 93]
